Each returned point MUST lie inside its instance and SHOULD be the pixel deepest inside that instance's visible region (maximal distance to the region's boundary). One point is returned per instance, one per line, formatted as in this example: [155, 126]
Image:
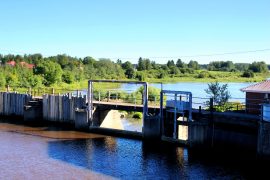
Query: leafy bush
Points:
[137, 115]
[68, 77]
[248, 74]
[2, 80]
[219, 93]
[203, 74]
[153, 93]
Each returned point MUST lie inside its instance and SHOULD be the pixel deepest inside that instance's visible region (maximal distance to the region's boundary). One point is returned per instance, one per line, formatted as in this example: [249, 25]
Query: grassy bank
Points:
[212, 76]
[209, 76]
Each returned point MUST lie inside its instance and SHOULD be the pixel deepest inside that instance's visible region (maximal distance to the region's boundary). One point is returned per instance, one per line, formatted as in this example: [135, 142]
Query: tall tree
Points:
[170, 63]
[194, 65]
[141, 65]
[180, 64]
[259, 67]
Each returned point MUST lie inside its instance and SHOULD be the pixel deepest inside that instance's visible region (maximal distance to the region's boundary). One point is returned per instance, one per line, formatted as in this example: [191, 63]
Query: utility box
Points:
[179, 105]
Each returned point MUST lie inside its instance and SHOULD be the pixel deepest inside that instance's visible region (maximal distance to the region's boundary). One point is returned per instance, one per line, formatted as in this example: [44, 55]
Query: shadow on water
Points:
[135, 159]
[125, 158]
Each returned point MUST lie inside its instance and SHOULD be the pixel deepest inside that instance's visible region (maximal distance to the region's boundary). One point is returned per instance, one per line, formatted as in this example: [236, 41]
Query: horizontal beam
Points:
[118, 81]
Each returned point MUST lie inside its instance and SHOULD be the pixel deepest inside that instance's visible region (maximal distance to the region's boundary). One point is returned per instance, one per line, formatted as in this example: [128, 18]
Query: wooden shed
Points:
[256, 95]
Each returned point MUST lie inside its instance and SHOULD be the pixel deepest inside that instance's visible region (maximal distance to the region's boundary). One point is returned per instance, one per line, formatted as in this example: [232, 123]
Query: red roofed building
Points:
[256, 95]
[23, 64]
[11, 63]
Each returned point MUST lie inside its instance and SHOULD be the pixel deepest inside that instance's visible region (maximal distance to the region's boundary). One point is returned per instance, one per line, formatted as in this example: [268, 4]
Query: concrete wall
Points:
[198, 135]
[152, 128]
[224, 130]
[263, 148]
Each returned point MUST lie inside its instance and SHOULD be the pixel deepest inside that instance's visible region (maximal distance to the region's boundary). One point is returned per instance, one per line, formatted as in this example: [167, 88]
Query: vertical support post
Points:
[77, 92]
[90, 101]
[8, 88]
[211, 105]
[212, 120]
[108, 98]
[145, 102]
[161, 113]
[29, 90]
[174, 118]
[99, 96]
[190, 107]
[52, 90]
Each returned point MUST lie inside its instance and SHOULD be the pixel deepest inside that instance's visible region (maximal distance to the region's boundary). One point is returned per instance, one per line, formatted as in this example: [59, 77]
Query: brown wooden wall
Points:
[254, 101]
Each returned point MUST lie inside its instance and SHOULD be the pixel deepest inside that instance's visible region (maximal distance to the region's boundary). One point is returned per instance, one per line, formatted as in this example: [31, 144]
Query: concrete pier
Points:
[152, 128]
[81, 119]
[263, 147]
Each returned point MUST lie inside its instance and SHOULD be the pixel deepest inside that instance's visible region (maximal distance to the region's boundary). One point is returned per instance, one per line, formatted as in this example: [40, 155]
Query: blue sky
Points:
[126, 29]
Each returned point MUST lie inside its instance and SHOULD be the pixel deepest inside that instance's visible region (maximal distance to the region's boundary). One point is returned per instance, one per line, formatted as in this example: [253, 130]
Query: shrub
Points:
[2, 80]
[137, 115]
[248, 74]
[203, 74]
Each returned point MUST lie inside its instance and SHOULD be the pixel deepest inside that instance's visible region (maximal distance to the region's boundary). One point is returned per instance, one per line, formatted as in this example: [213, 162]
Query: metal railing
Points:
[246, 105]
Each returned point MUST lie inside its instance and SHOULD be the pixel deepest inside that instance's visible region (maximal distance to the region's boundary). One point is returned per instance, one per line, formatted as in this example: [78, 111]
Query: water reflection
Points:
[125, 158]
[51, 152]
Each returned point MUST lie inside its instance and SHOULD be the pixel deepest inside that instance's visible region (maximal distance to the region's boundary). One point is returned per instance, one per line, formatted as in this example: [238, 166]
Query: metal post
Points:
[174, 118]
[145, 102]
[77, 93]
[52, 90]
[161, 113]
[99, 96]
[90, 101]
[190, 108]
[211, 105]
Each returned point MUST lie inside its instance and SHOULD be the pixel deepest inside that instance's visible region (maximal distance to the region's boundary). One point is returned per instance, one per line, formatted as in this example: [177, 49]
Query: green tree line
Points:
[53, 70]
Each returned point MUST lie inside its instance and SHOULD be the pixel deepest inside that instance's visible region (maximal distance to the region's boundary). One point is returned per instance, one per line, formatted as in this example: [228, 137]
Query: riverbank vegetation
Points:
[66, 72]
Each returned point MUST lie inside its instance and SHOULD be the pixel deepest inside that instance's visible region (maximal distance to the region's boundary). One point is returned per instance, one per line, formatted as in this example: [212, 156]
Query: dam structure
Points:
[174, 120]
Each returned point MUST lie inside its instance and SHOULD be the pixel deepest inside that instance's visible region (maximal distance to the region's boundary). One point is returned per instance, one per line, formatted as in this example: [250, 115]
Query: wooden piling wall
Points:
[12, 104]
[61, 108]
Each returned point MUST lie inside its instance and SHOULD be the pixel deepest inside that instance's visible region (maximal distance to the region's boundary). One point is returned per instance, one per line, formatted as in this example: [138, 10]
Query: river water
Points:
[197, 88]
[53, 153]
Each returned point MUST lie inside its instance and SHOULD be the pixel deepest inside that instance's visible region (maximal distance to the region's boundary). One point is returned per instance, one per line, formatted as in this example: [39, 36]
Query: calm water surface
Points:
[197, 88]
[50, 153]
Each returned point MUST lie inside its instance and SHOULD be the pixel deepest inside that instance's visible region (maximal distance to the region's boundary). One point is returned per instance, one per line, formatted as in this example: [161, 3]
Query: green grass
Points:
[213, 77]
